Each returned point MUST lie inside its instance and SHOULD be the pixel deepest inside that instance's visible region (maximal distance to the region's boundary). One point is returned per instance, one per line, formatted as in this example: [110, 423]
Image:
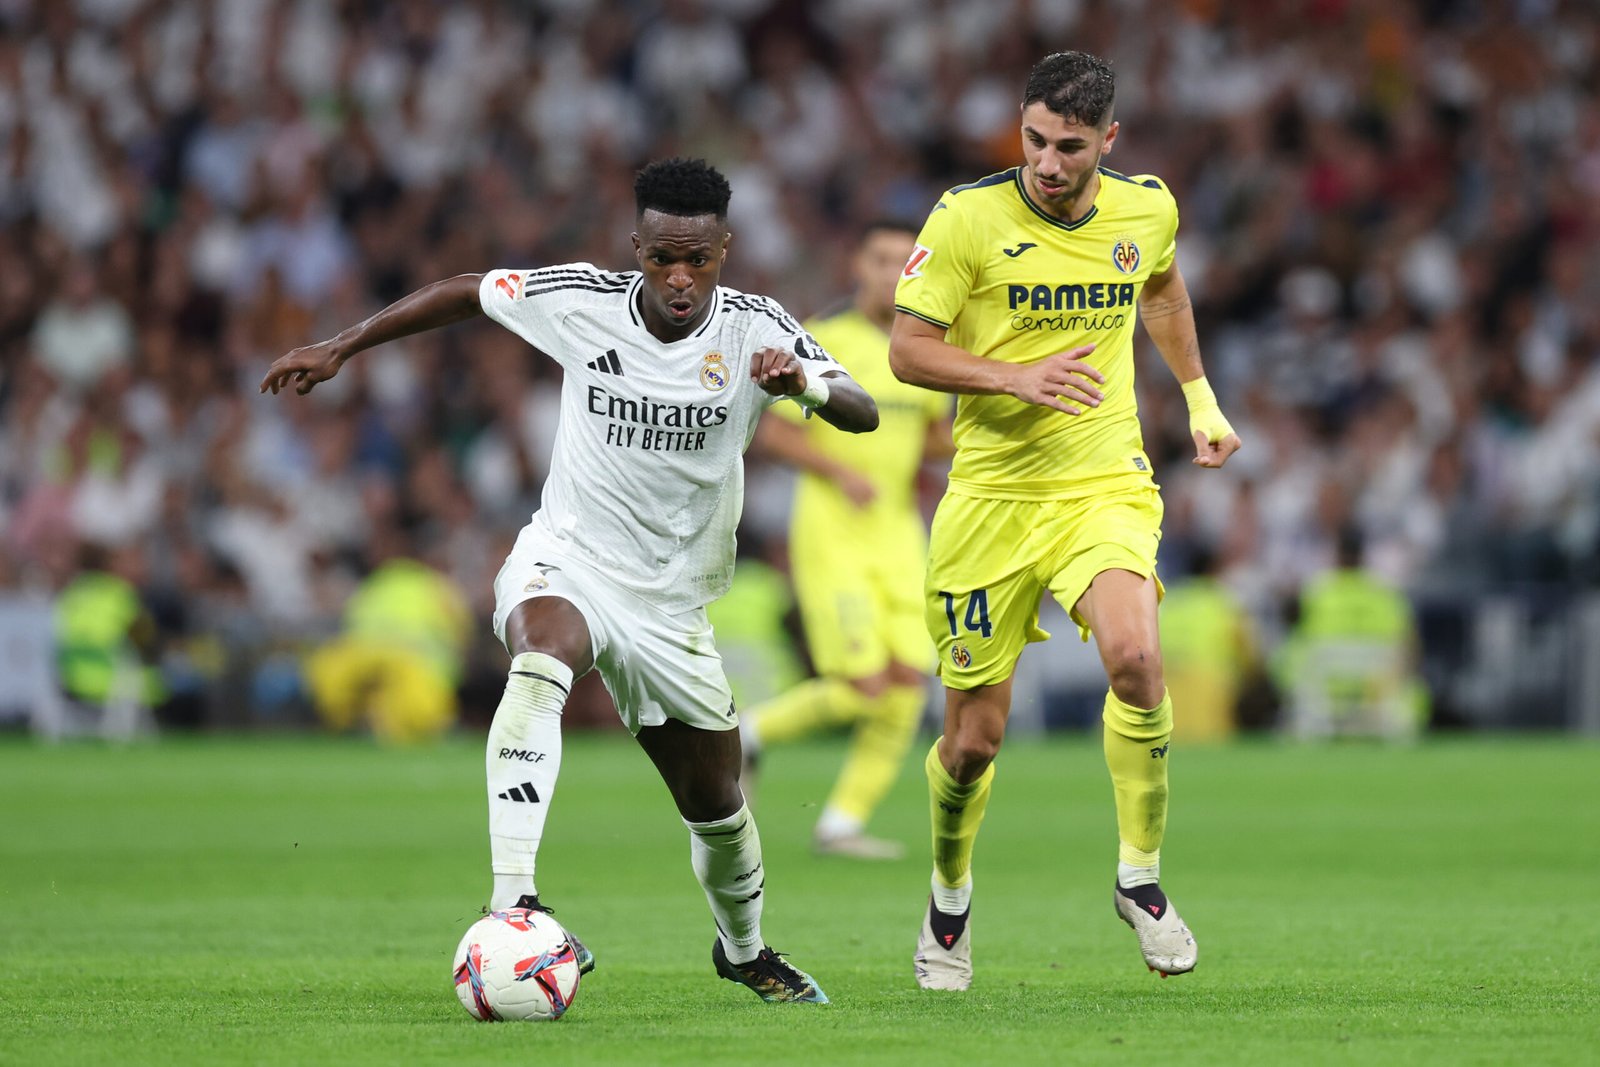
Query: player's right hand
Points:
[1062, 381]
[777, 372]
[305, 367]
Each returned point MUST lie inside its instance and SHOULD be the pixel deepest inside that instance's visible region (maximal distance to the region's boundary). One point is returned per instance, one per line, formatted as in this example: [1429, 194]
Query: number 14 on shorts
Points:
[977, 613]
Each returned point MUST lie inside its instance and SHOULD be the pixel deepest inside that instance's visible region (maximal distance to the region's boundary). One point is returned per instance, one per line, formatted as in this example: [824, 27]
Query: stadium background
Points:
[1389, 214]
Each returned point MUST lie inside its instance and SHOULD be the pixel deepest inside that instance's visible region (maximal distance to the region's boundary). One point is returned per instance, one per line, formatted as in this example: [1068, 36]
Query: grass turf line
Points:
[271, 901]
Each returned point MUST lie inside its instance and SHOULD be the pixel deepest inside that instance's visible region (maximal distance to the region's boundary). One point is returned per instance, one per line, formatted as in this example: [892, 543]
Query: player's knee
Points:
[709, 801]
[1134, 670]
[968, 754]
[552, 627]
[570, 649]
[1139, 690]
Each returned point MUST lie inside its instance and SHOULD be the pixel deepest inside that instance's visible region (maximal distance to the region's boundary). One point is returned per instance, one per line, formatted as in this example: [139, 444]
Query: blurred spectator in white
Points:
[83, 332]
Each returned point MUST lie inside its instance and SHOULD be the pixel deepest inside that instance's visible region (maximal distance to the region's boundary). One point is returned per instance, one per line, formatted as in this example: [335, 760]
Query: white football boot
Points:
[1164, 939]
[944, 952]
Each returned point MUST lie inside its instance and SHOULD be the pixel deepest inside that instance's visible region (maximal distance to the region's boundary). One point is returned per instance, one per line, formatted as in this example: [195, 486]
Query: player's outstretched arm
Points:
[431, 306]
[919, 355]
[1169, 320]
[836, 397]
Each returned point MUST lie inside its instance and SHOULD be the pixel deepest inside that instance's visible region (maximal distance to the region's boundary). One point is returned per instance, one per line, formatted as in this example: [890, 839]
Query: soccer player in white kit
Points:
[666, 374]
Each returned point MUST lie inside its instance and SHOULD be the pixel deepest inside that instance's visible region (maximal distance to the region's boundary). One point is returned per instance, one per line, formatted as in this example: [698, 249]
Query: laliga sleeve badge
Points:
[919, 256]
[713, 372]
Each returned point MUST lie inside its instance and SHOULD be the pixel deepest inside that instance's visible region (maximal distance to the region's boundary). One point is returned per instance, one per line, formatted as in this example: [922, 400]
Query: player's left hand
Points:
[778, 372]
[1208, 453]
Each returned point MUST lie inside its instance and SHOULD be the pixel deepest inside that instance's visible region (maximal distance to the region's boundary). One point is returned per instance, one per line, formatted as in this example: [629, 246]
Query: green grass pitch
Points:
[297, 901]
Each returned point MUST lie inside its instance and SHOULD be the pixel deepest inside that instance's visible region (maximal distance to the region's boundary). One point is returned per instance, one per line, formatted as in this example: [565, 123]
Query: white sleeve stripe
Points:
[767, 307]
[588, 274]
[569, 285]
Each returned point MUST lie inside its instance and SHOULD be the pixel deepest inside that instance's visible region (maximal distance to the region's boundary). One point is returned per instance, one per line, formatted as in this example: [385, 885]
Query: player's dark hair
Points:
[1075, 85]
[887, 224]
[679, 186]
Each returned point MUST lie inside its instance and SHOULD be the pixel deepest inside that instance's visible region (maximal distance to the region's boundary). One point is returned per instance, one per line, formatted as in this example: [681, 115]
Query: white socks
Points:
[726, 855]
[1129, 876]
[523, 758]
[952, 900]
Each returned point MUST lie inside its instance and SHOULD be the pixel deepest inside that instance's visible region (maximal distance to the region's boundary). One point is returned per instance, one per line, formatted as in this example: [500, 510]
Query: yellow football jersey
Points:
[1009, 282]
[889, 458]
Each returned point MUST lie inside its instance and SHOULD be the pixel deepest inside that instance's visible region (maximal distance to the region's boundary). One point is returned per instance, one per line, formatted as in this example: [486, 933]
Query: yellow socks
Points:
[957, 813]
[876, 752]
[812, 705]
[1136, 752]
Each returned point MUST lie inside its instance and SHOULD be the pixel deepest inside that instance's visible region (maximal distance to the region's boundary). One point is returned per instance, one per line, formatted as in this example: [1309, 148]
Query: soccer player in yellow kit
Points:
[857, 549]
[1021, 295]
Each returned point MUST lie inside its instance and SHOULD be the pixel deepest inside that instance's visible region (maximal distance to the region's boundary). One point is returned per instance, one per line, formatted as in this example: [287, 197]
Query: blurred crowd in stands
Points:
[1390, 213]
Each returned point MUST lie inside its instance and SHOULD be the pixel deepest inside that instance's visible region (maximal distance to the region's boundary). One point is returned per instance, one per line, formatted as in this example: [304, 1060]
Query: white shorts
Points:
[656, 666]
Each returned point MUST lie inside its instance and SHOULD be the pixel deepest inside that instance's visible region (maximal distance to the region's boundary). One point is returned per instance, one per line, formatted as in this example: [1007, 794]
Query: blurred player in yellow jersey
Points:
[1021, 295]
[857, 549]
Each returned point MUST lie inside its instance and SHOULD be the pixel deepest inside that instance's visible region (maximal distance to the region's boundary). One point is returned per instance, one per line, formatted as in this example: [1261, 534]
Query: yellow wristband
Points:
[1205, 416]
[1198, 393]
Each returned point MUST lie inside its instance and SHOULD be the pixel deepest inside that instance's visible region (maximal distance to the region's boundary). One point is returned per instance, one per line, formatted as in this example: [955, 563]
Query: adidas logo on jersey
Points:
[523, 794]
[607, 364]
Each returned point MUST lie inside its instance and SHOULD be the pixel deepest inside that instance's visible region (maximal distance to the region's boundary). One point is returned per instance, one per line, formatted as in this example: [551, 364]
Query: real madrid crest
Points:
[1125, 255]
[540, 582]
[714, 372]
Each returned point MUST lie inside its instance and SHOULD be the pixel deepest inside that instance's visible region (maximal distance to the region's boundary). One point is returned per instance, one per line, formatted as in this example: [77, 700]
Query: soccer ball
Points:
[516, 964]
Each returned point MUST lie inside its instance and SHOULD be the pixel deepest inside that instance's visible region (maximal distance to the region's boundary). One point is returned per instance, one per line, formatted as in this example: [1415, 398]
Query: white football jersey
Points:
[647, 475]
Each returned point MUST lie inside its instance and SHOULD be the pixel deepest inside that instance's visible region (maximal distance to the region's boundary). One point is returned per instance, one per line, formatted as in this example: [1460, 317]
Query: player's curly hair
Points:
[1075, 85]
[680, 186]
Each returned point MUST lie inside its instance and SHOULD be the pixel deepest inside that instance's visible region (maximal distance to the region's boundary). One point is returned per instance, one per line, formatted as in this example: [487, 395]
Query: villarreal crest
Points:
[1125, 255]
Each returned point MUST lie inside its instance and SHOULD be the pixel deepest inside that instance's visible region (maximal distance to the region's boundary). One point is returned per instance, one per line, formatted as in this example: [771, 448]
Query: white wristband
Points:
[815, 394]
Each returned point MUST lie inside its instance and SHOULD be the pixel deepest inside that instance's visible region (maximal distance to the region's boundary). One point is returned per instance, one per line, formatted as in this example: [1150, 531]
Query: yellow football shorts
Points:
[990, 562]
[860, 598]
